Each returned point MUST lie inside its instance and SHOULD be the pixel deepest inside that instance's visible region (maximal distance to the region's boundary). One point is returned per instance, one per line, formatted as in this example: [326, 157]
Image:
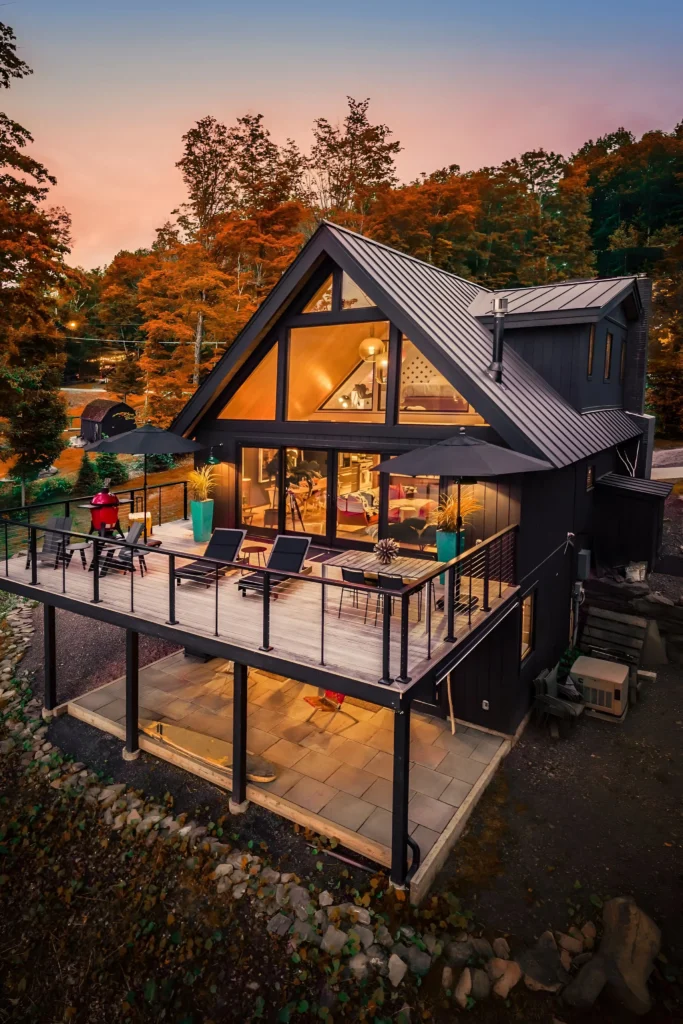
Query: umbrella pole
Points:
[144, 492]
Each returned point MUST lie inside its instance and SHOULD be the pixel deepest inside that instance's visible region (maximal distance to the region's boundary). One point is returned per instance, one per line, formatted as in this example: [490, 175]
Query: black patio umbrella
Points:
[462, 457]
[147, 440]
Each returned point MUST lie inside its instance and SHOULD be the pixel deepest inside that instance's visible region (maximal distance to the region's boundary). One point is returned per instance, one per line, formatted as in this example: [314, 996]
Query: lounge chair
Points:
[122, 559]
[288, 554]
[53, 543]
[224, 546]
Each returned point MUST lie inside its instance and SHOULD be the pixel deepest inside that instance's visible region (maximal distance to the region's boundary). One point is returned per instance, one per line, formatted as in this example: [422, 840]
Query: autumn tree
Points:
[34, 287]
[352, 162]
[127, 378]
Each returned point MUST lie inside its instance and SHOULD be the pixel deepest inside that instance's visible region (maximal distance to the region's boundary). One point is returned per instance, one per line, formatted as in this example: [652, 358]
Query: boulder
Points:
[570, 943]
[582, 992]
[458, 953]
[397, 970]
[482, 948]
[501, 948]
[419, 961]
[358, 964]
[463, 988]
[481, 986]
[334, 940]
[447, 979]
[279, 924]
[325, 899]
[504, 975]
[630, 942]
[542, 967]
[589, 932]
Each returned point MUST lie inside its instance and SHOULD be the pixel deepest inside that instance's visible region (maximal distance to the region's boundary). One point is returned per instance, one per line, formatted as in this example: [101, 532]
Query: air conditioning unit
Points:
[603, 684]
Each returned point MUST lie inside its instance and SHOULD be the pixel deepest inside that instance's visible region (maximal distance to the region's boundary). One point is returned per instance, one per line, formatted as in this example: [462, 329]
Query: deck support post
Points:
[131, 751]
[399, 815]
[238, 801]
[50, 665]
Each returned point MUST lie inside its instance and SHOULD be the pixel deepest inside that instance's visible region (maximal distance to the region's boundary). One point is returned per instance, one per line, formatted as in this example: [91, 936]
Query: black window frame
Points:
[591, 352]
[531, 597]
[609, 345]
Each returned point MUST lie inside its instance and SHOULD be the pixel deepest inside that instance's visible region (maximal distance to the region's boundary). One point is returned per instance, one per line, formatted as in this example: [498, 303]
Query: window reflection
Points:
[425, 394]
[306, 494]
[357, 496]
[413, 501]
[322, 300]
[338, 373]
[260, 488]
[353, 297]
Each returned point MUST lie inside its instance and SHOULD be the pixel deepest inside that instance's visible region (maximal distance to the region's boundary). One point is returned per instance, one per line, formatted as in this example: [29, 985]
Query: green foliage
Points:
[36, 419]
[155, 463]
[665, 399]
[51, 487]
[108, 465]
[88, 479]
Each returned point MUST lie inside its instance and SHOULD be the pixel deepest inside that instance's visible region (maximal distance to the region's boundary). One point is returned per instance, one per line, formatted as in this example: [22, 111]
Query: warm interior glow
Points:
[256, 397]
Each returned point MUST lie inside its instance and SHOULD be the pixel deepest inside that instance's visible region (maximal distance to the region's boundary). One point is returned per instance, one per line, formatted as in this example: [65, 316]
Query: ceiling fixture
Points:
[370, 349]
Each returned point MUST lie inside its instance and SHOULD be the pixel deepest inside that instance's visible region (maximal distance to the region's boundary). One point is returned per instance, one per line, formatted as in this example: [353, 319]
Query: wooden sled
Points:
[208, 748]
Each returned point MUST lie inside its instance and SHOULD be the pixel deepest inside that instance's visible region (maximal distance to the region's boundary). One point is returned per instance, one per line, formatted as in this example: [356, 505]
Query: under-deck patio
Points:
[334, 771]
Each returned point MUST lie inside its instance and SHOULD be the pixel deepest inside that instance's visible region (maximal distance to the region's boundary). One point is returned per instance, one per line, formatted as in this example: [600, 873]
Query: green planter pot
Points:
[448, 546]
[202, 519]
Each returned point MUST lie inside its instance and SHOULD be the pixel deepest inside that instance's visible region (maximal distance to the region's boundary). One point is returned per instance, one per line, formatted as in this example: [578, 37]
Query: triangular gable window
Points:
[255, 399]
[425, 394]
[322, 300]
[353, 297]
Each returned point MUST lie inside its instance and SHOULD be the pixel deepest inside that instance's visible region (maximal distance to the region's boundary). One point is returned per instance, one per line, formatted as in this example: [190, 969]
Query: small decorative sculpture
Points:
[386, 550]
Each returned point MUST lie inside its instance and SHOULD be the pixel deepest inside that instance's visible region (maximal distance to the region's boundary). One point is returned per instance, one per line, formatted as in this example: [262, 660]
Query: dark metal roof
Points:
[636, 485]
[433, 309]
[435, 305]
[561, 303]
[99, 407]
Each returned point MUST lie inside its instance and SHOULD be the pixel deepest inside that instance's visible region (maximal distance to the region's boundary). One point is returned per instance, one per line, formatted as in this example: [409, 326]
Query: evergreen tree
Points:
[127, 378]
[34, 433]
[109, 466]
[88, 479]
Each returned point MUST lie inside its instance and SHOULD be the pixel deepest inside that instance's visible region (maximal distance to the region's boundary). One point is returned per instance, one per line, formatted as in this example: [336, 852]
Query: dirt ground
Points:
[568, 823]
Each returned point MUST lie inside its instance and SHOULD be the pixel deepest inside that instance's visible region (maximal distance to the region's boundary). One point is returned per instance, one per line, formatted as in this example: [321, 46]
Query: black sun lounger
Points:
[288, 554]
[224, 546]
[122, 559]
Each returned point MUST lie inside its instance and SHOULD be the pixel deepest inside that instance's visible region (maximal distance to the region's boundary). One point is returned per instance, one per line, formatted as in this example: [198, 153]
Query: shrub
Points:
[87, 480]
[52, 487]
[108, 465]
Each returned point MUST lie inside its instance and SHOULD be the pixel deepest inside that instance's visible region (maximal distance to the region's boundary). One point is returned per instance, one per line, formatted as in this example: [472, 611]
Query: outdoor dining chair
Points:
[54, 543]
[122, 558]
[354, 576]
[287, 554]
[224, 546]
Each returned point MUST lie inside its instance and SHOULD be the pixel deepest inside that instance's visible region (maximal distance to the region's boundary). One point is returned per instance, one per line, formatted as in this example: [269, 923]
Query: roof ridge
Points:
[564, 284]
[404, 255]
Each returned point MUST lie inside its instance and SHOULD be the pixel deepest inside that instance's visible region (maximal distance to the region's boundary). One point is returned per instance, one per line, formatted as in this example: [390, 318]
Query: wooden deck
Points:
[352, 647]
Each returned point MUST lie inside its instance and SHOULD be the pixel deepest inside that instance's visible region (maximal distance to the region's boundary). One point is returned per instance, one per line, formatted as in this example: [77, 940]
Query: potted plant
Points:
[450, 541]
[201, 483]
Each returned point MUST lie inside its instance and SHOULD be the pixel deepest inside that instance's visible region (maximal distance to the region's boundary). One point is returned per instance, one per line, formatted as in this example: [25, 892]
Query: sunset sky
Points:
[117, 82]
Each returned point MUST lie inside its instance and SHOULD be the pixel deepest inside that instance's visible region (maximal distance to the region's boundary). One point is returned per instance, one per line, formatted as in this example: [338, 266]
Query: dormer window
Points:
[608, 356]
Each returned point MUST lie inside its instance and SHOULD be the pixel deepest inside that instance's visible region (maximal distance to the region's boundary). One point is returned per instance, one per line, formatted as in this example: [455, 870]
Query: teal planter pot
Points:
[202, 519]
[448, 546]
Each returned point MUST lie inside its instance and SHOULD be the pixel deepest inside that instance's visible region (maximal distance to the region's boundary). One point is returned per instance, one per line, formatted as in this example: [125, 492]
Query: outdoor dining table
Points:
[407, 568]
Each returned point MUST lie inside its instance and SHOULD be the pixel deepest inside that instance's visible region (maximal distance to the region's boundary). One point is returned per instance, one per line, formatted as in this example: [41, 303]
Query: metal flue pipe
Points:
[500, 308]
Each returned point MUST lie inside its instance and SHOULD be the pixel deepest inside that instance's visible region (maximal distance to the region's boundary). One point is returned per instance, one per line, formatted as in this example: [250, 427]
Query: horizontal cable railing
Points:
[165, 502]
[358, 630]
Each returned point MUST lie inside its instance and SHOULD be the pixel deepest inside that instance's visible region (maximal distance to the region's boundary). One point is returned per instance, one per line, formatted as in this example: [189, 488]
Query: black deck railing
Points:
[445, 611]
[165, 502]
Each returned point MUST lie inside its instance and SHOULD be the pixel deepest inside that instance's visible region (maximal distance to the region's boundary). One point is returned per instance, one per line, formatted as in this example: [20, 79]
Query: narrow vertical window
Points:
[590, 477]
[591, 350]
[622, 366]
[528, 617]
[608, 356]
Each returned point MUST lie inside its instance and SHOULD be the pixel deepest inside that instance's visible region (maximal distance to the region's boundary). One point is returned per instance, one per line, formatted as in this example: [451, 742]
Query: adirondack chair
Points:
[122, 559]
[53, 543]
